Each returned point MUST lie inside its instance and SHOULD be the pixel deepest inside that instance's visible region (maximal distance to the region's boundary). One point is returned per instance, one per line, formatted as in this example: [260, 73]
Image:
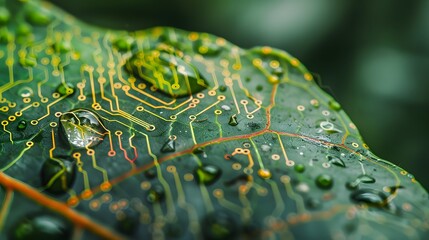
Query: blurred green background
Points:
[372, 56]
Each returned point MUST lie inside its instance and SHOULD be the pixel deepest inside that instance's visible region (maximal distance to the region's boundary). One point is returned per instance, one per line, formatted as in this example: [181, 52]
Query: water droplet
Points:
[125, 43]
[324, 181]
[156, 194]
[226, 107]
[219, 225]
[366, 178]
[22, 125]
[363, 178]
[23, 29]
[198, 150]
[371, 197]
[28, 61]
[313, 203]
[58, 175]
[264, 173]
[38, 16]
[62, 46]
[265, 147]
[336, 161]
[168, 73]
[65, 89]
[222, 88]
[4, 16]
[207, 174]
[150, 173]
[299, 168]
[334, 105]
[41, 226]
[169, 146]
[329, 127]
[82, 128]
[233, 120]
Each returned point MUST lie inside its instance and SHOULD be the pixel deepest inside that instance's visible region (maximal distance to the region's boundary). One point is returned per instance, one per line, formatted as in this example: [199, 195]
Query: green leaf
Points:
[164, 133]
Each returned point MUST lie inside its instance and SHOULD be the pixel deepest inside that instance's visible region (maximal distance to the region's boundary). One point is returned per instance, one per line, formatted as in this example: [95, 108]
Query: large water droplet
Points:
[324, 181]
[124, 43]
[207, 174]
[168, 73]
[334, 105]
[38, 16]
[219, 225]
[329, 127]
[65, 89]
[58, 175]
[363, 178]
[41, 226]
[82, 128]
[300, 168]
[371, 197]
[156, 194]
[169, 146]
[22, 125]
[336, 161]
[233, 120]
[4, 16]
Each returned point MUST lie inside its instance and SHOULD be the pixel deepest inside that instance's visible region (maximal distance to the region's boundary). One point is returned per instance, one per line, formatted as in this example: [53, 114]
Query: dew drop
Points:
[313, 203]
[169, 146]
[299, 168]
[125, 43]
[58, 175]
[324, 181]
[65, 89]
[62, 46]
[4, 16]
[82, 128]
[41, 226]
[207, 174]
[265, 147]
[233, 120]
[226, 107]
[219, 225]
[38, 16]
[329, 127]
[156, 194]
[150, 173]
[371, 197]
[198, 150]
[23, 29]
[222, 88]
[366, 178]
[168, 73]
[334, 105]
[336, 161]
[22, 125]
